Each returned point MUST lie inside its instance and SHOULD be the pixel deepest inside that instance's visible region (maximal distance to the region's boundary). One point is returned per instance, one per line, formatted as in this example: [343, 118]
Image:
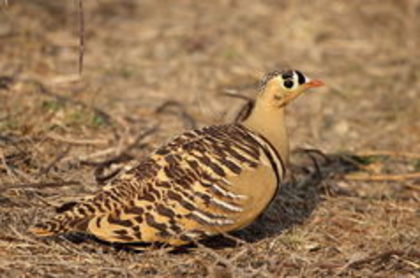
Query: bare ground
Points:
[155, 68]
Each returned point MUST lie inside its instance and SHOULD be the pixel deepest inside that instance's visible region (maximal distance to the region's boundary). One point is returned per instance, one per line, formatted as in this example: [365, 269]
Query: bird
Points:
[202, 183]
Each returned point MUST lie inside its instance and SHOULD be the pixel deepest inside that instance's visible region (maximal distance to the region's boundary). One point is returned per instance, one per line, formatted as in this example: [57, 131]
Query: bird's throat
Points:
[270, 123]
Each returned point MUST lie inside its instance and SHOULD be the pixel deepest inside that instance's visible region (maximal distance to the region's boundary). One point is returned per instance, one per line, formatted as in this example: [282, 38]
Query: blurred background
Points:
[164, 63]
[142, 53]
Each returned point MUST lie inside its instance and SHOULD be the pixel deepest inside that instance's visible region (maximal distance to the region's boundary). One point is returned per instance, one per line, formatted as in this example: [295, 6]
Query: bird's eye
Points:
[288, 84]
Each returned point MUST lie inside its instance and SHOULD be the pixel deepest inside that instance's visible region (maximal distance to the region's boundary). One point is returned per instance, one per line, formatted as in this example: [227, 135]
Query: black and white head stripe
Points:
[301, 77]
[292, 75]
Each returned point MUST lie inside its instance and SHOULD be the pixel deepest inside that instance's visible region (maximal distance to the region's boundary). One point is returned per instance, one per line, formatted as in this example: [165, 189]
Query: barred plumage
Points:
[204, 182]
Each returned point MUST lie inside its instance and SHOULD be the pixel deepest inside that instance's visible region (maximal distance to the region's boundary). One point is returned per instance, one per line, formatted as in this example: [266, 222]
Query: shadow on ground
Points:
[312, 176]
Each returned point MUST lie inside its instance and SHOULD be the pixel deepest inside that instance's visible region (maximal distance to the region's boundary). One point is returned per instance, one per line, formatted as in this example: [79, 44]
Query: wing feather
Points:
[193, 186]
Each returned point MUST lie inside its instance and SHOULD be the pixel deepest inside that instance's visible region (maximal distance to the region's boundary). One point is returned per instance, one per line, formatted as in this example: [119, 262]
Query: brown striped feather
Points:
[204, 182]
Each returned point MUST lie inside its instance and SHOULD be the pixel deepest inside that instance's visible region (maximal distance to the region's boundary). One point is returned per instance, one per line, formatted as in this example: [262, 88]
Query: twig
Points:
[329, 265]
[393, 177]
[120, 154]
[14, 172]
[23, 175]
[60, 156]
[24, 238]
[383, 256]
[188, 119]
[220, 259]
[100, 153]
[120, 157]
[81, 35]
[73, 141]
[140, 137]
[100, 177]
[245, 109]
[15, 140]
[412, 186]
[311, 154]
[235, 94]
[315, 151]
[318, 172]
[6, 166]
[389, 153]
[237, 240]
[40, 184]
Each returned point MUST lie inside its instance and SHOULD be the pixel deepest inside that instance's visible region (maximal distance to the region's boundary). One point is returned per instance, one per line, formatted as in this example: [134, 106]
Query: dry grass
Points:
[164, 64]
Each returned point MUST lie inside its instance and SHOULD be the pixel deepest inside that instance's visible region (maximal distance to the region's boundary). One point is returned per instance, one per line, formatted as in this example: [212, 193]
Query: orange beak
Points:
[315, 83]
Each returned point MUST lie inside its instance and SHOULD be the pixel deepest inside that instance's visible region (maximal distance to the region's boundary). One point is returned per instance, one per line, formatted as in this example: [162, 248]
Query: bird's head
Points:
[280, 88]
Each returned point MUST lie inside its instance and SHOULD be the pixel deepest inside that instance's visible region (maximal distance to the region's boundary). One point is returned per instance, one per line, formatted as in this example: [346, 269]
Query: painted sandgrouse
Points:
[205, 182]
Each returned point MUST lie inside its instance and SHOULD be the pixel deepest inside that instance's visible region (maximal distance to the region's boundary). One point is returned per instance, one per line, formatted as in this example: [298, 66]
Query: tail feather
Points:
[71, 220]
[48, 228]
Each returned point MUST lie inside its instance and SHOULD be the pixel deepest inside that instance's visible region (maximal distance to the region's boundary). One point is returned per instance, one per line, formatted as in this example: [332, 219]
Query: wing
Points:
[202, 183]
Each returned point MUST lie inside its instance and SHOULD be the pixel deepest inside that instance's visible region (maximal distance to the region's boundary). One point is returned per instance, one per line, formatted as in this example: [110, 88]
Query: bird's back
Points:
[204, 182]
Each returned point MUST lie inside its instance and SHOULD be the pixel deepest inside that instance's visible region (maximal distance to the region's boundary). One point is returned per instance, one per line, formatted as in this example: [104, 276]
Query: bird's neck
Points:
[269, 122]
